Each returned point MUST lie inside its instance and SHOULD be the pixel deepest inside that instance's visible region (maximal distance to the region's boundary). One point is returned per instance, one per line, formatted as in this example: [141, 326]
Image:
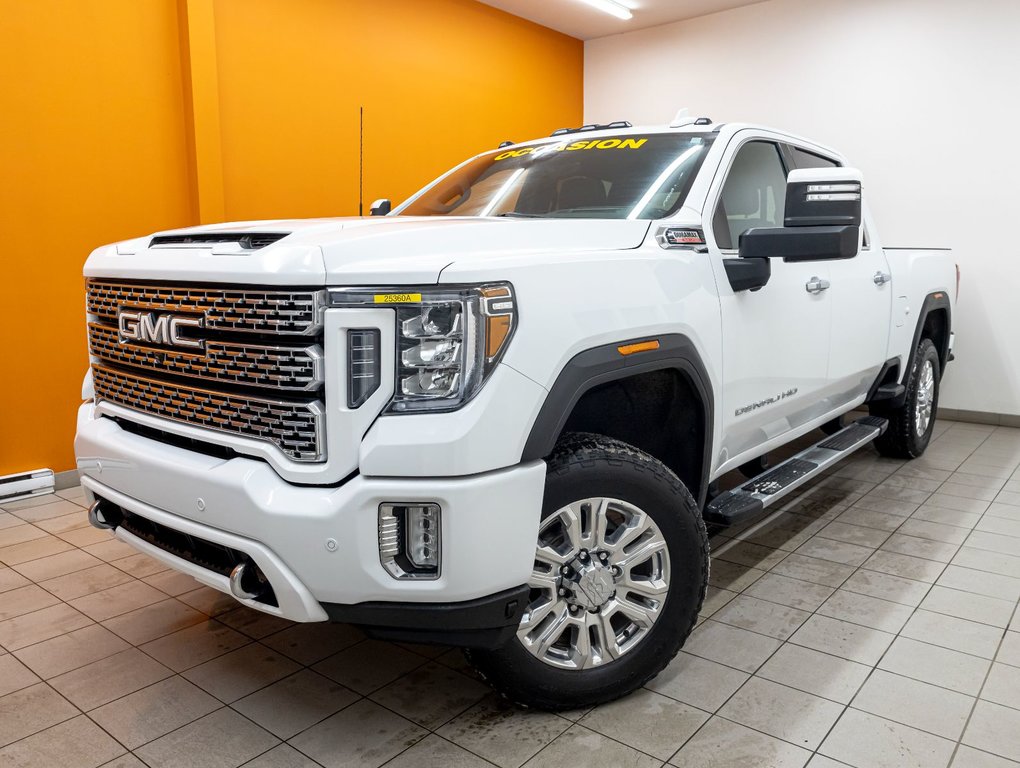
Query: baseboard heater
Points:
[26, 485]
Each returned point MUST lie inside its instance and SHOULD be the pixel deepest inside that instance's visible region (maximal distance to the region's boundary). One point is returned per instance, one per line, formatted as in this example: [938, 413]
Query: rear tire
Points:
[576, 647]
[911, 425]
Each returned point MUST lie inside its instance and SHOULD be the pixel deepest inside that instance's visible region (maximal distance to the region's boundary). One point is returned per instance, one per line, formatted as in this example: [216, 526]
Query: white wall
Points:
[922, 95]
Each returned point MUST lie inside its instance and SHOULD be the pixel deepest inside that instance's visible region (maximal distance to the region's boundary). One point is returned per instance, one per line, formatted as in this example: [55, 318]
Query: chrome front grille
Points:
[246, 361]
[257, 365]
[294, 427]
[245, 310]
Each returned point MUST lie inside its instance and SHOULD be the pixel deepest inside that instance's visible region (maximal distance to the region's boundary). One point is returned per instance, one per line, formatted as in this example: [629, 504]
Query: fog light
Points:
[409, 540]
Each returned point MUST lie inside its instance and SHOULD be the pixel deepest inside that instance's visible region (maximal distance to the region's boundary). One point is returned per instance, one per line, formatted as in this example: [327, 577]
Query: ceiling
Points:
[577, 19]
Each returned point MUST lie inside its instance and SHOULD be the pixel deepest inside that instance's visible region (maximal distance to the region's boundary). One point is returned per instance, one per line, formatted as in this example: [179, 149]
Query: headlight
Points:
[449, 339]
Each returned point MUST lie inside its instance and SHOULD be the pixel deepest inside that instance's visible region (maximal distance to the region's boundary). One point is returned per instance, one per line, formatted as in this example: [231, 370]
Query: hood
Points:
[351, 251]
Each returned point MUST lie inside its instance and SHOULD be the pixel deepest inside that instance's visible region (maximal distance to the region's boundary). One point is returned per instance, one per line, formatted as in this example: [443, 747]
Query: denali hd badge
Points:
[148, 327]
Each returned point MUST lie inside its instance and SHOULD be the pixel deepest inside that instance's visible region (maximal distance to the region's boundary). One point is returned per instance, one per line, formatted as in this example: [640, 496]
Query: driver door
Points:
[776, 339]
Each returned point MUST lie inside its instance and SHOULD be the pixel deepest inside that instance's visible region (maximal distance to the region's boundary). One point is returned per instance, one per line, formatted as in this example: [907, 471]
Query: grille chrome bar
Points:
[256, 365]
[250, 310]
[295, 428]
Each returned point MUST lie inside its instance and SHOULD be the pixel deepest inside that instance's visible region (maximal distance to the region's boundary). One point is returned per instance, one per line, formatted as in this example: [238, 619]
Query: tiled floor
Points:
[869, 625]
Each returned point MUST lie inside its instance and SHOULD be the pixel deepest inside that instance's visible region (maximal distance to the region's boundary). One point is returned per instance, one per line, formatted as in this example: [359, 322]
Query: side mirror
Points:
[381, 207]
[822, 219]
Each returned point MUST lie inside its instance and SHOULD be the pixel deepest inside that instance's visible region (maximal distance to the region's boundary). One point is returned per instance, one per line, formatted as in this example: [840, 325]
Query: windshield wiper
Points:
[516, 215]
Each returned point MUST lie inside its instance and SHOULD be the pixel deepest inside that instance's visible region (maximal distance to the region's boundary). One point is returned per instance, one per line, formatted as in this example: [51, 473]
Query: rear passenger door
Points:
[861, 296]
[776, 339]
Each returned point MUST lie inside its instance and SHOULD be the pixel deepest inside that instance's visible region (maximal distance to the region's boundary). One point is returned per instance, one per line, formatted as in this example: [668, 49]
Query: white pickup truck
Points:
[494, 416]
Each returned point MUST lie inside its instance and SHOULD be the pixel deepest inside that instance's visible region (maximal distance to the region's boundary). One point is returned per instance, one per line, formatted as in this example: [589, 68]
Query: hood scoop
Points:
[247, 241]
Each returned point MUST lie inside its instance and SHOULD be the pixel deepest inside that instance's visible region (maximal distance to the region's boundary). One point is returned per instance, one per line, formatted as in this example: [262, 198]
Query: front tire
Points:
[911, 425]
[620, 573]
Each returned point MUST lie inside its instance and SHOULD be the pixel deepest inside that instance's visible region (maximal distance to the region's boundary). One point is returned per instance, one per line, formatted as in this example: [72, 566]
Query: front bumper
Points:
[318, 546]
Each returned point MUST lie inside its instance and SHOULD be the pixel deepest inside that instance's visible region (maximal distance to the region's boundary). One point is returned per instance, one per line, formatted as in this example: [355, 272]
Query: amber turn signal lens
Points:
[641, 346]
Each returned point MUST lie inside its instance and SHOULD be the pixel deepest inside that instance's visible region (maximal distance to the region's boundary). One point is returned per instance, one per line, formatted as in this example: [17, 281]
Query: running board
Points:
[750, 499]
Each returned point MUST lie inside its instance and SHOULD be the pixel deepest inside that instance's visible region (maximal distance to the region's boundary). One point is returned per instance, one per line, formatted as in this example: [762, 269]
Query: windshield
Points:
[611, 177]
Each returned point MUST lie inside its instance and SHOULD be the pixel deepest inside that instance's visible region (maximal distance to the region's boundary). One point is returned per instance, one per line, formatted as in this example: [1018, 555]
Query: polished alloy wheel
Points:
[599, 583]
[925, 397]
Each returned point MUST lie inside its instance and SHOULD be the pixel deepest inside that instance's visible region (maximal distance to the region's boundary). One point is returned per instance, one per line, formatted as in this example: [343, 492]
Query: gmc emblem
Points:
[148, 327]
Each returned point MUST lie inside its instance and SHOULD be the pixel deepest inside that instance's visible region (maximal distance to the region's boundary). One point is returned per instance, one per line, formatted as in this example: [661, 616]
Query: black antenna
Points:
[361, 161]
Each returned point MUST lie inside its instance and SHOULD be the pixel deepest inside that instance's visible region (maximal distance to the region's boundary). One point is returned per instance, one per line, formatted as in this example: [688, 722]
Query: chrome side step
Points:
[753, 497]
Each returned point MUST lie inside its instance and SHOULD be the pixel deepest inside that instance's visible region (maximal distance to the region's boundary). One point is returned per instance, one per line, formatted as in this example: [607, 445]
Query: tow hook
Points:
[97, 518]
[247, 583]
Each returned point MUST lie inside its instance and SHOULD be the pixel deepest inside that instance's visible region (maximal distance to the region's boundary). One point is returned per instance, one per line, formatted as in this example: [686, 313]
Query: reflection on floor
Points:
[871, 624]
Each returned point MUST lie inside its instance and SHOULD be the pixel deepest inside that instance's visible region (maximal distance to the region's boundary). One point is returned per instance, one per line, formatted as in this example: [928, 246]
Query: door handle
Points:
[881, 278]
[816, 285]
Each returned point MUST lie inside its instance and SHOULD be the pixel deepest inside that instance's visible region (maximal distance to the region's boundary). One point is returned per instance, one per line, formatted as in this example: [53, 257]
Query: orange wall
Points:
[92, 141]
[98, 142]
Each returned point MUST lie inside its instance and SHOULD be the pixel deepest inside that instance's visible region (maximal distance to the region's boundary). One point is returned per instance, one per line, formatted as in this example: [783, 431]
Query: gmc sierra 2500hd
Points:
[492, 417]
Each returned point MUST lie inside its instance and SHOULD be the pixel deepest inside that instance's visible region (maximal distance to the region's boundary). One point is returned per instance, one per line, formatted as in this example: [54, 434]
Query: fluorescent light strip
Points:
[611, 7]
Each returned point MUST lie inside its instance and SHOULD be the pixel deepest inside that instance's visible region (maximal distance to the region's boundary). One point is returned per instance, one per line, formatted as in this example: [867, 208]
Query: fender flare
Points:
[603, 364]
[933, 301]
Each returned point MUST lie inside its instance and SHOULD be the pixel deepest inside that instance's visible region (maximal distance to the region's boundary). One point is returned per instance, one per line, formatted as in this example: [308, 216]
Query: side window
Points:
[804, 159]
[754, 194]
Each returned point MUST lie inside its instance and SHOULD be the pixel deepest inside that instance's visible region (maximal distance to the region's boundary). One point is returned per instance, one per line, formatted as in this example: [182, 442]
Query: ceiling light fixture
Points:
[611, 7]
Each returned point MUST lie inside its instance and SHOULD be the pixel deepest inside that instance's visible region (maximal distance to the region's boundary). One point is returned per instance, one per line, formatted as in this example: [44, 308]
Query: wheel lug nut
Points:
[583, 556]
[562, 592]
[565, 570]
[573, 609]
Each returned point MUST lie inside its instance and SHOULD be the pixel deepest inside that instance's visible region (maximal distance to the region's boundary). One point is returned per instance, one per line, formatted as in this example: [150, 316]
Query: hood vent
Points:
[249, 241]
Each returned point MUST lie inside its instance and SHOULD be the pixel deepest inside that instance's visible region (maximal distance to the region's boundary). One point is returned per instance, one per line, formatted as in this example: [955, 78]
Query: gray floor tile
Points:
[969, 606]
[835, 551]
[87, 582]
[57, 565]
[732, 646]
[436, 751]
[864, 536]
[75, 649]
[153, 621]
[238, 673]
[786, 713]
[29, 628]
[968, 757]
[702, 683]
[868, 518]
[814, 570]
[843, 639]
[117, 600]
[866, 610]
[362, 735]
[309, 643]
[792, 592]
[1003, 686]
[994, 728]
[925, 529]
[11, 579]
[915, 546]
[863, 740]
[580, 746]
[947, 668]
[295, 703]
[108, 679]
[31, 710]
[772, 619]
[224, 739]
[78, 742]
[281, 756]
[431, 695]
[724, 744]
[647, 721]
[885, 586]
[195, 645]
[15, 602]
[957, 634]
[733, 576]
[1009, 651]
[14, 675]
[981, 583]
[147, 714]
[914, 703]
[815, 672]
[905, 566]
[369, 665]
